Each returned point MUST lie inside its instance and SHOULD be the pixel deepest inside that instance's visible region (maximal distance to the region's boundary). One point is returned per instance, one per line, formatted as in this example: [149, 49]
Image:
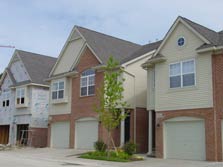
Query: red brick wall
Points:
[217, 73]
[39, 137]
[84, 106]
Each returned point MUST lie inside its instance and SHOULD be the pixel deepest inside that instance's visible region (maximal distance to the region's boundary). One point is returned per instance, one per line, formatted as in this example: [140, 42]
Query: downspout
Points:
[134, 106]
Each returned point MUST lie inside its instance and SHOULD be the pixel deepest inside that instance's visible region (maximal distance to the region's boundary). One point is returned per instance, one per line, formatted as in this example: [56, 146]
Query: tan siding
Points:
[140, 83]
[69, 56]
[199, 96]
[62, 108]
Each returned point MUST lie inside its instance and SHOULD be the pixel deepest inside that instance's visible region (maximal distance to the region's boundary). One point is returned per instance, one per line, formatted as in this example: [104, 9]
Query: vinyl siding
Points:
[199, 96]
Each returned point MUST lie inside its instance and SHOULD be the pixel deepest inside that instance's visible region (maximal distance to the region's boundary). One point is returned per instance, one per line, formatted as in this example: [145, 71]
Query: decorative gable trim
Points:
[75, 29]
[172, 28]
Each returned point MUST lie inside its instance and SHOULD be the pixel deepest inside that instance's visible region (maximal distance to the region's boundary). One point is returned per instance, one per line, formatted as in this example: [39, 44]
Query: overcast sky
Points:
[42, 26]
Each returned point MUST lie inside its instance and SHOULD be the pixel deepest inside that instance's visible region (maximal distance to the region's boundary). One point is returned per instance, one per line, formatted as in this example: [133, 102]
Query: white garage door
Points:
[86, 133]
[184, 138]
[60, 134]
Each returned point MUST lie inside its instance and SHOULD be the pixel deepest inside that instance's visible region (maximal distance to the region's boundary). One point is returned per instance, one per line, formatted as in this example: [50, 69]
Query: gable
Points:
[69, 54]
[6, 83]
[86, 60]
[18, 70]
[172, 51]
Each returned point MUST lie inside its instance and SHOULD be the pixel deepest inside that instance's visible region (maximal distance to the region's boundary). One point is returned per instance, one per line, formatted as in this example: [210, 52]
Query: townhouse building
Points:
[185, 93]
[75, 79]
[24, 97]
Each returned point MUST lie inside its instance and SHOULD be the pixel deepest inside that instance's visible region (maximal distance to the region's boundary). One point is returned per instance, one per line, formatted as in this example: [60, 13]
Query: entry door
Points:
[4, 134]
[127, 128]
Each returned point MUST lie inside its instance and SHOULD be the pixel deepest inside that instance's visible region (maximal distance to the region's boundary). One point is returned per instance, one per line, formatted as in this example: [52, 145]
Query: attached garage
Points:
[86, 133]
[4, 134]
[184, 138]
[60, 135]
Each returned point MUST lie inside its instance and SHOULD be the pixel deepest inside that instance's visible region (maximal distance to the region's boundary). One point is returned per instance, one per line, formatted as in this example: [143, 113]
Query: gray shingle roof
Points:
[105, 46]
[38, 66]
[215, 38]
[143, 50]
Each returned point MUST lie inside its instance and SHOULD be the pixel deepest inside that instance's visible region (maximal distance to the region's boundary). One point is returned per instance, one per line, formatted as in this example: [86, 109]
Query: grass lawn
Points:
[122, 157]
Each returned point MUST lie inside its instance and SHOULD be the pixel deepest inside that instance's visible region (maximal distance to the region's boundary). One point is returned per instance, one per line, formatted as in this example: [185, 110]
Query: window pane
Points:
[188, 67]
[22, 92]
[175, 82]
[84, 91]
[18, 101]
[83, 82]
[22, 100]
[55, 86]
[90, 90]
[60, 96]
[18, 93]
[54, 95]
[188, 80]
[3, 104]
[61, 85]
[175, 69]
[88, 72]
[7, 102]
[91, 80]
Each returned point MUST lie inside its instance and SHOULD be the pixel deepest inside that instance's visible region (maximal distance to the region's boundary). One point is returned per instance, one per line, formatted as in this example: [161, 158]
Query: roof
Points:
[215, 38]
[38, 66]
[143, 50]
[105, 46]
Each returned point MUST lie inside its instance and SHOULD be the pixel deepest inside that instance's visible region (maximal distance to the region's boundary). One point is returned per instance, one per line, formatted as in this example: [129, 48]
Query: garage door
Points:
[86, 133]
[184, 138]
[60, 135]
[4, 134]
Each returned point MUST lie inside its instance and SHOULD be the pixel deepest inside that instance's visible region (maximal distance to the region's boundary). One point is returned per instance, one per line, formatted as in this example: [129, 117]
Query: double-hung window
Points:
[88, 82]
[20, 96]
[58, 90]
[182, 74]
[5, 98]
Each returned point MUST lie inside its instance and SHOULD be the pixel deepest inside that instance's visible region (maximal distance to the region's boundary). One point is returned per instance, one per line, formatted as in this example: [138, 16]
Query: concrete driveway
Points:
[47, 157]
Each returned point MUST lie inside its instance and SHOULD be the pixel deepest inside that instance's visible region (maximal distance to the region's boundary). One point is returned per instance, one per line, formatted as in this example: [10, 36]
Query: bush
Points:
[129, 148]
[100, 146]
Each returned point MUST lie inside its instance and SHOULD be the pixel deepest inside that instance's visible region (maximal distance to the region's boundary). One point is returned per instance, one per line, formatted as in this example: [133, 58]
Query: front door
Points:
[127, 128]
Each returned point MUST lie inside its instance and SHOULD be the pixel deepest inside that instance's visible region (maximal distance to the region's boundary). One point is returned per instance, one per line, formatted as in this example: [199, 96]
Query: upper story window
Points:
[58, 90]
[181, 41]
[20, 96]
[5, 99]
[88, 82]
[182, 74]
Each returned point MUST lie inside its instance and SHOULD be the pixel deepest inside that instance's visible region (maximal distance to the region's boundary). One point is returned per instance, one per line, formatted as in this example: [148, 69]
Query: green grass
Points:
[96, 155]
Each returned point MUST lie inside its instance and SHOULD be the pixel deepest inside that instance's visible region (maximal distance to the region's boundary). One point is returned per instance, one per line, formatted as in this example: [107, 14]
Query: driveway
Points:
[47, 157]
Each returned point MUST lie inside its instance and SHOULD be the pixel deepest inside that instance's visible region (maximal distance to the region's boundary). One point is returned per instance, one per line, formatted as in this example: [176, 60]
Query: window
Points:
[20, 96]
[88, 82]
[182, 74]
[58, 90]
[5, 98]
[181, 41]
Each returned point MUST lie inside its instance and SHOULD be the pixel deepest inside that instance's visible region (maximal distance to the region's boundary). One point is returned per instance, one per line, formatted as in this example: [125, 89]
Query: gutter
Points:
[213, 48]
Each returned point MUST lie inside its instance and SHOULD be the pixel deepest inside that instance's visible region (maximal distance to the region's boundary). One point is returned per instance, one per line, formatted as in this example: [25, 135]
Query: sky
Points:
[42, 26]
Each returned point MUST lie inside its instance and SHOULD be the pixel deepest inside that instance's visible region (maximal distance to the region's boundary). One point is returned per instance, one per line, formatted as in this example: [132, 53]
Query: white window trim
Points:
[88, 76]
[57, 82]
[181, 73]
[20, 96]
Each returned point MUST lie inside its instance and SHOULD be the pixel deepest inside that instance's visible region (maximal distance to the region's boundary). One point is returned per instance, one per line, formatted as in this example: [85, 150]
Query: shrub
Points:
[129, 148]
[100, 146]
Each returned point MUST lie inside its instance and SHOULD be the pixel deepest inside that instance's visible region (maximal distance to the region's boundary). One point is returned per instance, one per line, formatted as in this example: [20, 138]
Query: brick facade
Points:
[39, 137]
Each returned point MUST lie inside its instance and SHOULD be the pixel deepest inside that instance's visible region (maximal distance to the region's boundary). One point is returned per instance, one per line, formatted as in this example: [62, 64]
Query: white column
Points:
[150, 137]
[122, 131]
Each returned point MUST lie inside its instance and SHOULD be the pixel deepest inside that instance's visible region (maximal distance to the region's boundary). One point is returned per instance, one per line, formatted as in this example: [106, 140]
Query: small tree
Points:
[111, 99]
